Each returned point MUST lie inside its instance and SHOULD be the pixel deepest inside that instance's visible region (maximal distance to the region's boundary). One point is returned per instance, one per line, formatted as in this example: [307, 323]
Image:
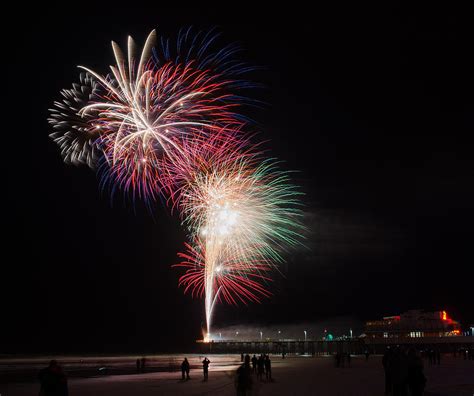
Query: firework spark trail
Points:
[241, 215]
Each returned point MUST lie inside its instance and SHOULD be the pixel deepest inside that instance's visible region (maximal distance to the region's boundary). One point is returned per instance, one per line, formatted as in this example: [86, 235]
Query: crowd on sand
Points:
[259, 367]
[403, 368]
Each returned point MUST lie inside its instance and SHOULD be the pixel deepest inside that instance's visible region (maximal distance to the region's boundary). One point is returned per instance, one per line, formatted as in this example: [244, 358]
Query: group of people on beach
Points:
[256, 365]
[53, 381]
[260, 365]
[186, 368]
[403, 372]
[341, 358]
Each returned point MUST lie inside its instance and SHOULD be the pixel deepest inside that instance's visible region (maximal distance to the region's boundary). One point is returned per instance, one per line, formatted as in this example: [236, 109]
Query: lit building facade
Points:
[414, 324]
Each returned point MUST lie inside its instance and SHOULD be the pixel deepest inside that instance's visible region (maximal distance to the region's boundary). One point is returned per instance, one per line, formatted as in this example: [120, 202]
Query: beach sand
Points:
[291, 376]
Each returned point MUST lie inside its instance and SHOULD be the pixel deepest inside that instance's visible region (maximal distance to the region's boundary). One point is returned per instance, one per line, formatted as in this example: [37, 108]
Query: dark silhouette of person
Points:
[205, 368]
[138, 365]
[185, 369]
[268, 368]
[143, 364]
[254, 364]
[337, 358]
[243, 381]
[386, 362]
[367, 354]
[416, 379]
[260, 367]
[283, 355]
[53, 380]
[247, 361]
[242, 357]
[399, 372]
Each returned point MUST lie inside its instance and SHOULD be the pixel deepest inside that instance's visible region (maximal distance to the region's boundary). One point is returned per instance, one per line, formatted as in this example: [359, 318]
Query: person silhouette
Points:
[53, 381]
[268, 368]
[387, 362]
[254, 364]
[185, 369]
[416, 380]
[247, 361]
[260, 367]
[243, 381]
[205, 368]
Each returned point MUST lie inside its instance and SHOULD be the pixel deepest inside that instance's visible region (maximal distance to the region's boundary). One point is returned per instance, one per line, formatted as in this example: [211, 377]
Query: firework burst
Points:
[241, 217]
[76, 134]
[147, 107]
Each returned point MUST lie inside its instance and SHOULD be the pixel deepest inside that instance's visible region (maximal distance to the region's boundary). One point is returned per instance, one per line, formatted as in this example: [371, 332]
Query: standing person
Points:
[53, 381]
[386, 362]
[205, 368]
[260, 367]
[268, 368]
[185, 369]
[254, 364]
[367, 354]
[416, 379]
[247, 361]
[399, 372]
[337, 358]
[243, 382]
[242, 357]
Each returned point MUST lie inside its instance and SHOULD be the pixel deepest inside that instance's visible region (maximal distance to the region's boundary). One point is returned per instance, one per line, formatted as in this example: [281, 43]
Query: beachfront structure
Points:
[414, 324]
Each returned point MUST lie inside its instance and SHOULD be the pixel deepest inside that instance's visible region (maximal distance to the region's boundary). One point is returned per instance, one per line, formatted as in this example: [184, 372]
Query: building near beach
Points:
[414, 324]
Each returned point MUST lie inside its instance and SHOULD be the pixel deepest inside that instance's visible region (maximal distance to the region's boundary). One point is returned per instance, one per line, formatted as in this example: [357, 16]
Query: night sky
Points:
[372, 106]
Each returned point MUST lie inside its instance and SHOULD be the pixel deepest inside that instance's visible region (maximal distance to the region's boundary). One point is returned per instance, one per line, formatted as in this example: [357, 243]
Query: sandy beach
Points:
[291, 376]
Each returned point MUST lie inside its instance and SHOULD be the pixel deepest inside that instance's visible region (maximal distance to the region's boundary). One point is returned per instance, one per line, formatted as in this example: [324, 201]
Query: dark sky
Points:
[374, 107]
